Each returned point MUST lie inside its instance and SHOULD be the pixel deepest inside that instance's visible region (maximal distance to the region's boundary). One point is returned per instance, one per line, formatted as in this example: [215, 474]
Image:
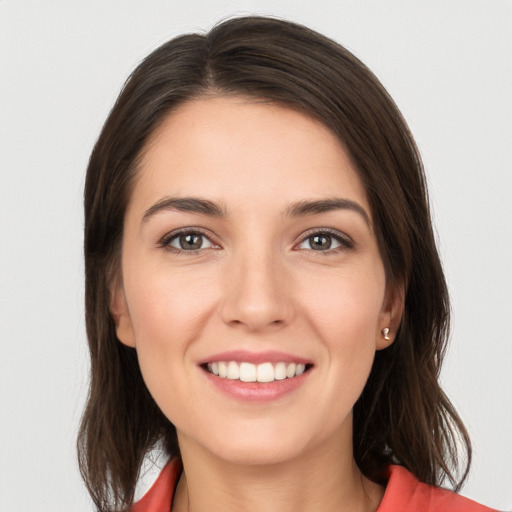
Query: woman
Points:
[263, 291]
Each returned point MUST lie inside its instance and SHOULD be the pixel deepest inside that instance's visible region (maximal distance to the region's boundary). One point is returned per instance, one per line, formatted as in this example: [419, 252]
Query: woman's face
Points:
[249, 249]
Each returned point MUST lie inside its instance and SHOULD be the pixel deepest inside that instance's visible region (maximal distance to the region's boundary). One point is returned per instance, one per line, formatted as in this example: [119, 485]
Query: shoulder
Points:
[405, 493]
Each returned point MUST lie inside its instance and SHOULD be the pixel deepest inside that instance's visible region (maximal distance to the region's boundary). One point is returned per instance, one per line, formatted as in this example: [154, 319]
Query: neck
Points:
[323, 479]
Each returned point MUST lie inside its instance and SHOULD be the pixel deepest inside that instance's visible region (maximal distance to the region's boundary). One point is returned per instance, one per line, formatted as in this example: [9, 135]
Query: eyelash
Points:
[345, 242]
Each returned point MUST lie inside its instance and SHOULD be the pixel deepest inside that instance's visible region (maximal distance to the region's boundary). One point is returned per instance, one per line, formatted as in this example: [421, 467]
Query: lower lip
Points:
[257, 391]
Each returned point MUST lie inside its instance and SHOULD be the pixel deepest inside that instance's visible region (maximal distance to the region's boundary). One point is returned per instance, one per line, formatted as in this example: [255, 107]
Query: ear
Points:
[121, 314]
[390, 316]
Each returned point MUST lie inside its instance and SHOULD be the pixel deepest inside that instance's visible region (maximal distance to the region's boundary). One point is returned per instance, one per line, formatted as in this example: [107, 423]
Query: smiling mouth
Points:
[249, 372]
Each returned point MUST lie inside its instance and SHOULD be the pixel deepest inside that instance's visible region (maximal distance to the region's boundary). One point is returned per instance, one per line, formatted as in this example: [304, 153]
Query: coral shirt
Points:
[404, 493]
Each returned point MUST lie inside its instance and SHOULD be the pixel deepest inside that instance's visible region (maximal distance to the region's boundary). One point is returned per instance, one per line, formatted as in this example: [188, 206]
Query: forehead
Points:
[228, 148]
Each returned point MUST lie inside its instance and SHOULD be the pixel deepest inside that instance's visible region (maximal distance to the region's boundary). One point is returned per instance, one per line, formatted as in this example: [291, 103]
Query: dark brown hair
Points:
[403, 416]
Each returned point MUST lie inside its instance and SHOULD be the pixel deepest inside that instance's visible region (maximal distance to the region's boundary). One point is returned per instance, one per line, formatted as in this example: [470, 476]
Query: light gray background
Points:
[447, 63]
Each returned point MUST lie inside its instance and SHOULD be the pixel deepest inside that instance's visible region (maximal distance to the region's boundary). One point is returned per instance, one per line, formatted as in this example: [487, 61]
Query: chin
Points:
[257, 455]
[261, 447]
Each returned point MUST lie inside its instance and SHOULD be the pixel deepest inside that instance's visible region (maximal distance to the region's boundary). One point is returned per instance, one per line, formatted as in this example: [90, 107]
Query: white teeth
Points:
[233, 372]
[265, 372]
[280, 371]
[300, 369]
[248, 372]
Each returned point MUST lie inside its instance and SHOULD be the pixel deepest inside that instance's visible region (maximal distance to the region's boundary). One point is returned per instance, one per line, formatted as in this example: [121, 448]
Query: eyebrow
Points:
[186, 204]
[314, 207]
[300, 209]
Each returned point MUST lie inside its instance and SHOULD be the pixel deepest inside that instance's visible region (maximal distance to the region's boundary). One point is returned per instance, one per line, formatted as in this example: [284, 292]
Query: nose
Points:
[258, 295]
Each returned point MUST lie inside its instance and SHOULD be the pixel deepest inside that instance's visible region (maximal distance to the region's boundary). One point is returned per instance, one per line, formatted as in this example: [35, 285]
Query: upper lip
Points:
[242, 356]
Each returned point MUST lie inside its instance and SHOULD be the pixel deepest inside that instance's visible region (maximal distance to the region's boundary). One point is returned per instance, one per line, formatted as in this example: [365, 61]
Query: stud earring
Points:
[385, 333]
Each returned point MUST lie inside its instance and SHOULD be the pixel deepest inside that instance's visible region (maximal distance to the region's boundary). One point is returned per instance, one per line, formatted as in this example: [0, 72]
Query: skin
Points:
[256, 284]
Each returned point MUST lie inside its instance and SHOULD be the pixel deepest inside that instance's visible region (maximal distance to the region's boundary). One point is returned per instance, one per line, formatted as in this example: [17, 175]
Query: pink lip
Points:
[256, 391]
[254, 357]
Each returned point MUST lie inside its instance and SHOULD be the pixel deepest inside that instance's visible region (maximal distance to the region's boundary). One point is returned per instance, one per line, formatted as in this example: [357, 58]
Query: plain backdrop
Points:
[448, 65]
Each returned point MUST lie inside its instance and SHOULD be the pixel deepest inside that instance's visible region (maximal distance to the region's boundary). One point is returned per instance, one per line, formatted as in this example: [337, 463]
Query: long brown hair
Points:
[403, 416]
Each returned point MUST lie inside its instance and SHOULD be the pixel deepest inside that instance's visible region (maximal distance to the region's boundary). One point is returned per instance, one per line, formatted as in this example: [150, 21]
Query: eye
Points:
[325, 240]
[186, 241]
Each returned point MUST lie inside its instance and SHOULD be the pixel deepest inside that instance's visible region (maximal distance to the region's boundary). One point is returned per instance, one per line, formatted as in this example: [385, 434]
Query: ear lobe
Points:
[122, 318]
[391, 316]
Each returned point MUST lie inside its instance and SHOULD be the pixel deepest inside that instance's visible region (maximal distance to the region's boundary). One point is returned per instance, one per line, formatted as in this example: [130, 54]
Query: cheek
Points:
[345, 313]
[343, 309]
[345, 302]
[169, 309]
[168, 316]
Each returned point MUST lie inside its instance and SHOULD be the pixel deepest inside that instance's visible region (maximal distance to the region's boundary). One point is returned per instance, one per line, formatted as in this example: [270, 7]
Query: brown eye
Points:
[190, 241]
[324, 241]
[320, 242]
